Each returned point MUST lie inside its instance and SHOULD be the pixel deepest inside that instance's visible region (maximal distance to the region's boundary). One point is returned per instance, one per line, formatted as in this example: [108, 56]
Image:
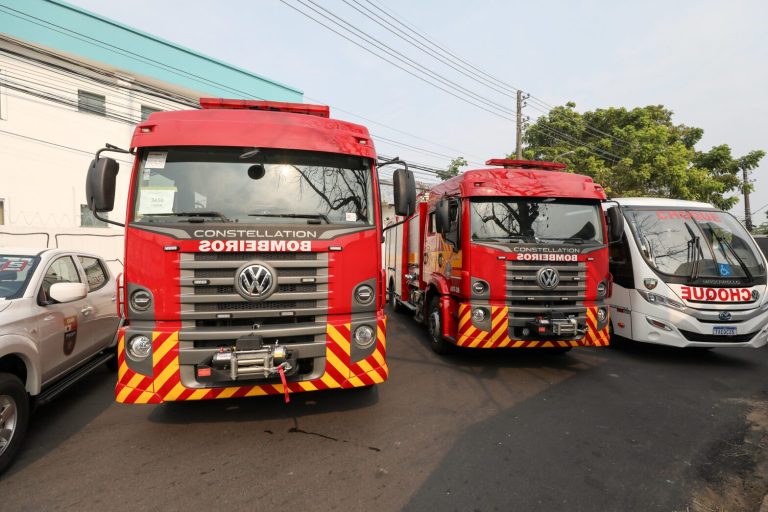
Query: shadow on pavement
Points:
[648, 352]
[57, 421]
[265, 407]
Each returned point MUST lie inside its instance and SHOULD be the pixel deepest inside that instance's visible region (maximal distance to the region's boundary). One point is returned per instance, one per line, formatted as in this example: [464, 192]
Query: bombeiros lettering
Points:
[254, 246]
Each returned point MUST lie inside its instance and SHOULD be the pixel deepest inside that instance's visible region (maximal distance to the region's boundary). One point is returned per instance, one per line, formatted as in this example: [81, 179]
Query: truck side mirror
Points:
[615, 223]
[405, 192]
[100, 184]
[443, 216]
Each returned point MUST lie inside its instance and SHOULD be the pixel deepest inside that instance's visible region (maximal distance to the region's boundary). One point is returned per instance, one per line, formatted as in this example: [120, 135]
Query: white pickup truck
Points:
[57, 323]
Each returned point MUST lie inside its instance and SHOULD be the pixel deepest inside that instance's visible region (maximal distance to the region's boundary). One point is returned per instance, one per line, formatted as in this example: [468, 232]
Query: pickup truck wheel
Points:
[14, 417]
[435, 328]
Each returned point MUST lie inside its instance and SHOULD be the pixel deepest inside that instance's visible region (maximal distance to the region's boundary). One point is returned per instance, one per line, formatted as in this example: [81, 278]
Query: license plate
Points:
[723, 331]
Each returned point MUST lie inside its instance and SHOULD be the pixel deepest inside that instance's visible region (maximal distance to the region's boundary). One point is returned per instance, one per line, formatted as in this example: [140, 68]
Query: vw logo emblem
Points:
[548, 278]
[725, 316]
[255, 281]
[755, 294]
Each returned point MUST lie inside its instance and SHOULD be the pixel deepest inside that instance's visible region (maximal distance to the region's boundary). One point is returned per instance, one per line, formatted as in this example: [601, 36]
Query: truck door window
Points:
[452, 235]
[95, 275]
[62, 270]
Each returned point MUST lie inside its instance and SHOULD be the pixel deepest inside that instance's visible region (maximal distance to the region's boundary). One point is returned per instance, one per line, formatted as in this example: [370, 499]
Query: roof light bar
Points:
[275, 106]
[525, 164]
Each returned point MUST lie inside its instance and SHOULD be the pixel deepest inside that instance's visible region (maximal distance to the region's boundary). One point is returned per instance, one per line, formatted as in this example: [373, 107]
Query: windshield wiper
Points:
[195, 216]
[725, 243]
[317, 217]
[510, 238]
[694, 252]
[566, 239]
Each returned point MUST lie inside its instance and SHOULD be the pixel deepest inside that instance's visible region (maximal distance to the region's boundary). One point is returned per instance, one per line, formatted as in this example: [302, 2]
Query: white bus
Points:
[687, 275]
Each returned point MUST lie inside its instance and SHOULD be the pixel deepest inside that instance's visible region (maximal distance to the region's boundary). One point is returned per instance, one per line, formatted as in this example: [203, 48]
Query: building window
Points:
[145, 111]
[87, 220]
[91, 103]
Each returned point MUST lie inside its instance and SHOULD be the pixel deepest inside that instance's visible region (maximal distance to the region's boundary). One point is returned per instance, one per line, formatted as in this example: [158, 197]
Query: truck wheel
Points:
[14, 417]
[435, 328]
[392, 298]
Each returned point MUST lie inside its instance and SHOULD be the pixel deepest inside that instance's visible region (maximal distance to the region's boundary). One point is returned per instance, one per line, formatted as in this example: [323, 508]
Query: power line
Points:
[394, 63]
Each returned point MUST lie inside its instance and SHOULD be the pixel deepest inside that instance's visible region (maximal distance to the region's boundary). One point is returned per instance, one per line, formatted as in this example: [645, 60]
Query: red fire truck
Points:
[513, 256]
[251, 240]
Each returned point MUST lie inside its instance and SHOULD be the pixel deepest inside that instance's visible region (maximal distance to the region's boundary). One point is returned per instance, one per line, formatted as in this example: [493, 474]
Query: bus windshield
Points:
[529, 220]
[252, 185]
[695, 243]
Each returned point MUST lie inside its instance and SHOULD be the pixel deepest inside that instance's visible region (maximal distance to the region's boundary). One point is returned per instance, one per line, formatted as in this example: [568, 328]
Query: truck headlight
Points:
[478, 314]
[139, 347]
[141, 300]
[364, 294]
[655, 298]
[602, 289]
[480, 287]
[364, 336]
[602, 315]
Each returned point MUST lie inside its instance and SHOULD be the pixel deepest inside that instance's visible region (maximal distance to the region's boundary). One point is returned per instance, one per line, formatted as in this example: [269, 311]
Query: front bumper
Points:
[697, 333]
[165, 383]
[498, 333]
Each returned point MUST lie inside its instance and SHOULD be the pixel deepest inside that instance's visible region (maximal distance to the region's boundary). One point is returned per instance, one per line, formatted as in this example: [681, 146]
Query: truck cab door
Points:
[61, 343]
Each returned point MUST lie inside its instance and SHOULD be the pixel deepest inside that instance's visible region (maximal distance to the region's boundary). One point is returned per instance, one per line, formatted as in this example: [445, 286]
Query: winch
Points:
[568, 326]
[250, 358]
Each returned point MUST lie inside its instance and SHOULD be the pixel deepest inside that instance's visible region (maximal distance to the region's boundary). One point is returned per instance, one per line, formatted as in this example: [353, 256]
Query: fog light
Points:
[141, 300]
[364, 294]
[658, 325]
[478, 314]
[602, 315]
[364, 336]
[139, 347]
[479, 287]
[602, 289]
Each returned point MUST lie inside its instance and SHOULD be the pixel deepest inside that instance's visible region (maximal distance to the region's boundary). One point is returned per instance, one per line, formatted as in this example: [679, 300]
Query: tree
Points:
[639, 152]
[453, 168]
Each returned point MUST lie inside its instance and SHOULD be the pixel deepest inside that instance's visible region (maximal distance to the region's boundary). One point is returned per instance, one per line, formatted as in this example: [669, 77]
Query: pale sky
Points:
[705, 60]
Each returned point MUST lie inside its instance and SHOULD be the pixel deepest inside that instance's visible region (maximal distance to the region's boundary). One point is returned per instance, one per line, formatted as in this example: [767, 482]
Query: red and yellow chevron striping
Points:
[498, 337]
[166, 385]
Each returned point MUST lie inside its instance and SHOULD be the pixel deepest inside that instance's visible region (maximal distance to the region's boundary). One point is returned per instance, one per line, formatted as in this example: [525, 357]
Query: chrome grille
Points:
[206, 301]
[526, 299]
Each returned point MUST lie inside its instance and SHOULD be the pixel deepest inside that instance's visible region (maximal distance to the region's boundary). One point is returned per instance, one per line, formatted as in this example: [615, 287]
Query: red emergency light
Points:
[525, 164]
[274, 106]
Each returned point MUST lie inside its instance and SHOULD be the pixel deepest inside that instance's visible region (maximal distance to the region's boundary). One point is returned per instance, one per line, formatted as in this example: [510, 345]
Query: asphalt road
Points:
[639, 428]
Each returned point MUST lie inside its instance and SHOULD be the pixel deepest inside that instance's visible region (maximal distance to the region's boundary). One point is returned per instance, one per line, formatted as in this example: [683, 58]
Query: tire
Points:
[434, 327]
[14, 418]
[392, 299]
[112, 363]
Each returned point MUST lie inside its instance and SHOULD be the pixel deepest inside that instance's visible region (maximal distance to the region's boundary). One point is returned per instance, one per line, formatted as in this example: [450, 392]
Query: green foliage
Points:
[639, 152]
[453, 168]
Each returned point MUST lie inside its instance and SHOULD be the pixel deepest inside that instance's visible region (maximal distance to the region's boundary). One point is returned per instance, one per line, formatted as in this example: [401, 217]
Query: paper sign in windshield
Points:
[156, 200]
[156, 160]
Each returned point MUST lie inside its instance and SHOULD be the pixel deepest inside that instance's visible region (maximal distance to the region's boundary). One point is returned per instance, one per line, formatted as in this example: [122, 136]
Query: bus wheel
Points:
[435, 327]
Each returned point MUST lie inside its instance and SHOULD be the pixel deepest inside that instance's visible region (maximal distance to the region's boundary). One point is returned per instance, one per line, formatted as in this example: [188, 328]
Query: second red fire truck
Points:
[511, 256]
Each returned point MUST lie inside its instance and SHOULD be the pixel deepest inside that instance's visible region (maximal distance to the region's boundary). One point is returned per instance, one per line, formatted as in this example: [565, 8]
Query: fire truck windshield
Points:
[546, 220]
[695, 243]
[248, 185]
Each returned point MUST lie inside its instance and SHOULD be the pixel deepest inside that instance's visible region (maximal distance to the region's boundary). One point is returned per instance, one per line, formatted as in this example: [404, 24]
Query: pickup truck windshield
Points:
[15, 272]
[247, 185]
[695, 243]
[556, 221]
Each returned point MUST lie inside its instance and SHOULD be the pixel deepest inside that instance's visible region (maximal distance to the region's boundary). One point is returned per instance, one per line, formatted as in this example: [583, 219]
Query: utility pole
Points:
[747, 210]
[519, 135]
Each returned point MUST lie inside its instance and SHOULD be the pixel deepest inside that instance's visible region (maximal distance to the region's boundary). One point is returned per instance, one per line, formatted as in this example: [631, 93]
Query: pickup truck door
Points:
[101, 323]
[61, 342]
